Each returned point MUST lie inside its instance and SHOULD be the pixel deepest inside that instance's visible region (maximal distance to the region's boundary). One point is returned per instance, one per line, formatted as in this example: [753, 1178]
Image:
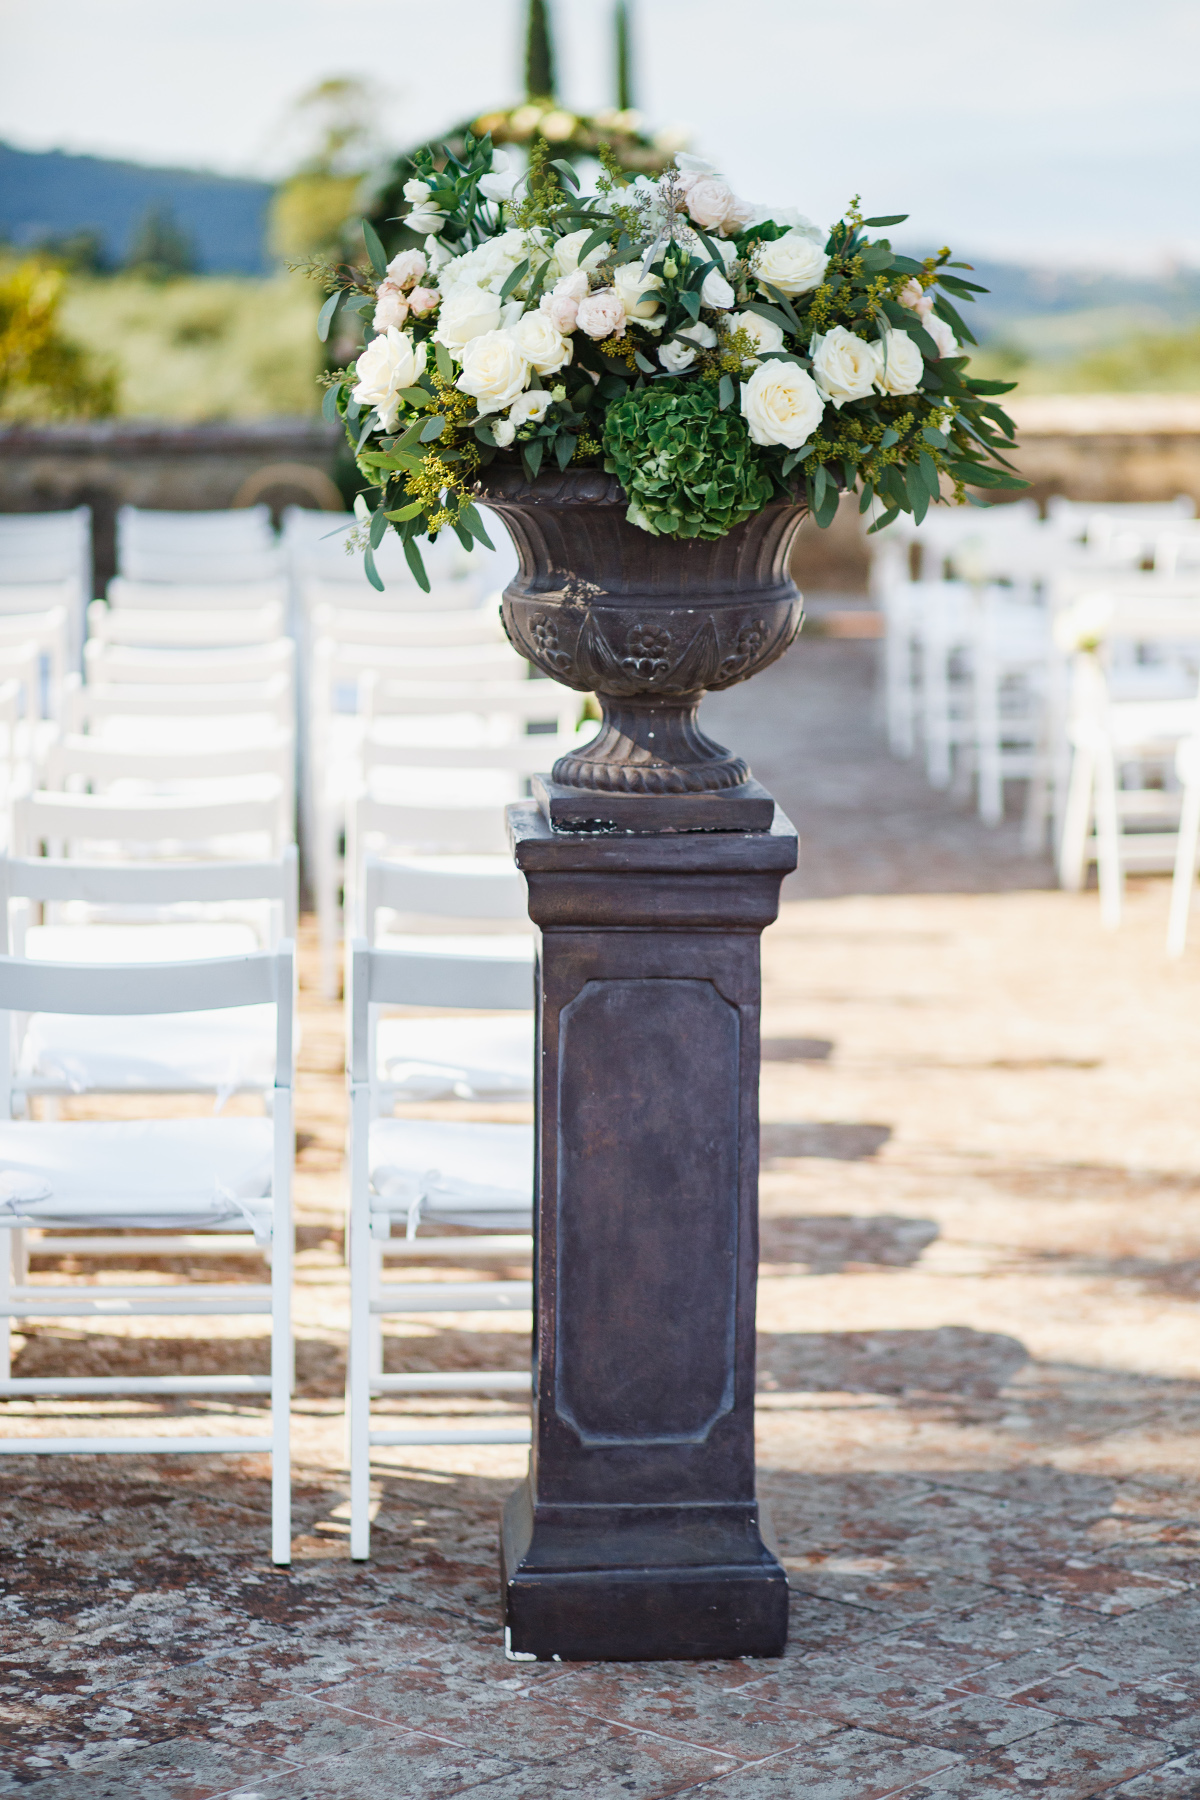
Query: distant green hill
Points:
[50, 195]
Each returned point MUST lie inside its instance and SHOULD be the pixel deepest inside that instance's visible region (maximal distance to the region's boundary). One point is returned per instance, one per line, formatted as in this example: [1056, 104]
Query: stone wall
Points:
[173, 467]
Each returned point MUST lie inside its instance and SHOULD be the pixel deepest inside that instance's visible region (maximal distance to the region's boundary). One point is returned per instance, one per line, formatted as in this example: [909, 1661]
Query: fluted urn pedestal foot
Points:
[638, 1533]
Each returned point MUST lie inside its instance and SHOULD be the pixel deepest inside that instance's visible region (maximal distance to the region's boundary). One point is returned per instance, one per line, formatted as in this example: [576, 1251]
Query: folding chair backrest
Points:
[525, 755]
[46, 880]
[401, 978]
[46, 548]
[184, 627]
[335, 662]
[272, 700]
[517, 703]
[196, 596]
[232, 546]
[466, 830]
[108, 664]
[429, 630]
[78, 758]
[464, 888]
[54, 818]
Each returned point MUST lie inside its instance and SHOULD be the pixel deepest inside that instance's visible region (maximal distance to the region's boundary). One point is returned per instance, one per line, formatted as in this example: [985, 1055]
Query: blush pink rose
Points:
[709, 202]
[391, 308]
[602, 314]
[561, 310]
[913, 295]
[422, 300]
[407, 268]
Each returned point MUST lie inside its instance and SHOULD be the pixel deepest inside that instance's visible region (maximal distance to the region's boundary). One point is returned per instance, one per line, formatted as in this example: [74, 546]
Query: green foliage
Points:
[44, 374]
[624, 56]
[161, 250]
[689, 469]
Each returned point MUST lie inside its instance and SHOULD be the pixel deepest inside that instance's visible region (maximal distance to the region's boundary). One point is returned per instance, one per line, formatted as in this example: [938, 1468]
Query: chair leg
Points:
[7, 1271]
[1108, 843]
[1072, 850]
[987, 747]
[281, 1334]
[325, 886]
[361, 1324]
[1187, 851]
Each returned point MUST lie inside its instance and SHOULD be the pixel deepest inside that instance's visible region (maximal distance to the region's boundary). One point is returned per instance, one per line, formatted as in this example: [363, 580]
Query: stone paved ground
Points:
[980, 1407]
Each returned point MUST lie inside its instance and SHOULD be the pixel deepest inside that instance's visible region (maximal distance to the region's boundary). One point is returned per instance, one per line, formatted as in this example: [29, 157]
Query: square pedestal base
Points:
[649, 1584]
[746, 808]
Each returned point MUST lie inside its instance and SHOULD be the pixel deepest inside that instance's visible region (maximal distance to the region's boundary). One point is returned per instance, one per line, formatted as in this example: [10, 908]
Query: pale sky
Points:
[1042, 129]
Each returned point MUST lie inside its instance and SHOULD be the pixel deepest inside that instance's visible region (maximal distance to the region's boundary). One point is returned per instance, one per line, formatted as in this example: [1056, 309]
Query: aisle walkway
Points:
[980, 1406]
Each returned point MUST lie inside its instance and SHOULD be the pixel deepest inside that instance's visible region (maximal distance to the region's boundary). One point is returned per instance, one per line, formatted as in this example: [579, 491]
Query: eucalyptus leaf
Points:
[564, 448]
[375, 249]
[644, 364]
[373, 575]
[885, 219]
[567, 172]
[475, 526]
[406, 512]
[432, 428]
[515, 279]
[325, 316]
[725, 391]
[329, 405]
[444, 363]
[414, 560]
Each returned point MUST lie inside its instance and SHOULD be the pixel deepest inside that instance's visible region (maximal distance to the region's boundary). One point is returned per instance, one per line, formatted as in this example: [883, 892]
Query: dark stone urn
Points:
[647, 624]
[653, 861]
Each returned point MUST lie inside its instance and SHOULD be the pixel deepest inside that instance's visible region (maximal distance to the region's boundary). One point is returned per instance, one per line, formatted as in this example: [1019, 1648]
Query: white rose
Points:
[781, 405]
[913, 295]
[541, 343]
[941, 334]
[467, 312]
[391, 307]
[793, 264]
[637, 291]
[425, 217]
[709, 200]
[504, 433]
[573, 286]
[716, 292]
[390, 362]
[766, 333]
[676, 357]
[844, 366]
[493, 371]
[564, 258]
[602, 314]
[407, 268]
[530, 408]
[700, 334]
[416, 192]
[898, 363]
[561, 311]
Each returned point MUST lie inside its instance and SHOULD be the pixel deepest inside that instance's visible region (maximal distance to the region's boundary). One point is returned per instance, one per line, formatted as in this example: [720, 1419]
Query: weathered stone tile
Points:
[671, 1703]
[1178, 1779]
[1166, 1706]
[176, 1769]
[971, 1725]
[622, 1766]
[880, 1584]
[850, 1693]
[1068, 1762]
[1100, 1587]
[851, 1765]
[506, 1718]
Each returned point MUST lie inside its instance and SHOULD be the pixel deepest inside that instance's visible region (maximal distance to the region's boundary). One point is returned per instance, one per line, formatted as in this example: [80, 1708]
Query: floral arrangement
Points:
[710, 353]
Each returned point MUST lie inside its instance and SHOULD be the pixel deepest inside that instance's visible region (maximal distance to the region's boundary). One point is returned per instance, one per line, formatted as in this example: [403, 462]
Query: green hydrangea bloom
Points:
[690, 470]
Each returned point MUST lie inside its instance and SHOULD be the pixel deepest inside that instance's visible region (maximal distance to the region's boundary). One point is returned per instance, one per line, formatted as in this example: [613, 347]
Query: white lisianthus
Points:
[676, 357]
[541, 343]
[504, 433]
[437, 254]
[493, 371]
[844, 366]
[426, 215]
[390, 362]
[530, 408]
[941, 334]
[700, 334]
[564, 258]
[899, 364]
[793, 264]
[602, 314]
[766, 333]
[792, 220]
[500, 183]
[637, 291]
[716, 292]
[781, 405]
[467, 312]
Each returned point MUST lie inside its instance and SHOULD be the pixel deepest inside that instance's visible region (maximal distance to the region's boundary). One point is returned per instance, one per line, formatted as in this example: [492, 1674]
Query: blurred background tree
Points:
[337, 121]
[161, 250]
[44, 374]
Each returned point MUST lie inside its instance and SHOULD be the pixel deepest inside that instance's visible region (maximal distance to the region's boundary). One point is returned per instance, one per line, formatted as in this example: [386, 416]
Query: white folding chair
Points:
[49, 628]
[231, 546]
[158, 713]
[183, 1185]
[185, 628]
[1010, 656]
[142, 827]
[233, 597]
[474, 1178]
[139, 913]
[43, 551]
[109, 664]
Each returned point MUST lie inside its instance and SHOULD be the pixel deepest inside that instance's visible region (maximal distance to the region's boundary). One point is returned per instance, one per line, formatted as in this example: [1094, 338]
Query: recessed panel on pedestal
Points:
[648, 1152]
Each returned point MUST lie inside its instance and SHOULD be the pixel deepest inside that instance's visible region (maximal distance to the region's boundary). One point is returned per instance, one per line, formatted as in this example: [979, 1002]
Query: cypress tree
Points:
[539, 54]
[624, 55]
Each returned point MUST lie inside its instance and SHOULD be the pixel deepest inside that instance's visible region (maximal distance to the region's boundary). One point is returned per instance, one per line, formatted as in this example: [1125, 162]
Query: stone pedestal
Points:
[637, 1533]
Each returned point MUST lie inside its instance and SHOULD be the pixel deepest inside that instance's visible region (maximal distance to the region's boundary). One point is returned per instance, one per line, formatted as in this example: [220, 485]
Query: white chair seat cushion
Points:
[180, 1173]
[478, 1175]
[168, 942]
[457, 1059]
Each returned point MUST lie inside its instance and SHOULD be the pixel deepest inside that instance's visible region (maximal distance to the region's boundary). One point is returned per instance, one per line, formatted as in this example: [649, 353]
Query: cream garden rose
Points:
[390, 362]
[407, 268]
[844, 365]
[792, 263]
[467, 312]
[781, 405]
[494, 371]
[637, 292]
[564, 258]
[602, 314]
[541, 343]
[941, 334]
[767, 335]
[900, 364]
